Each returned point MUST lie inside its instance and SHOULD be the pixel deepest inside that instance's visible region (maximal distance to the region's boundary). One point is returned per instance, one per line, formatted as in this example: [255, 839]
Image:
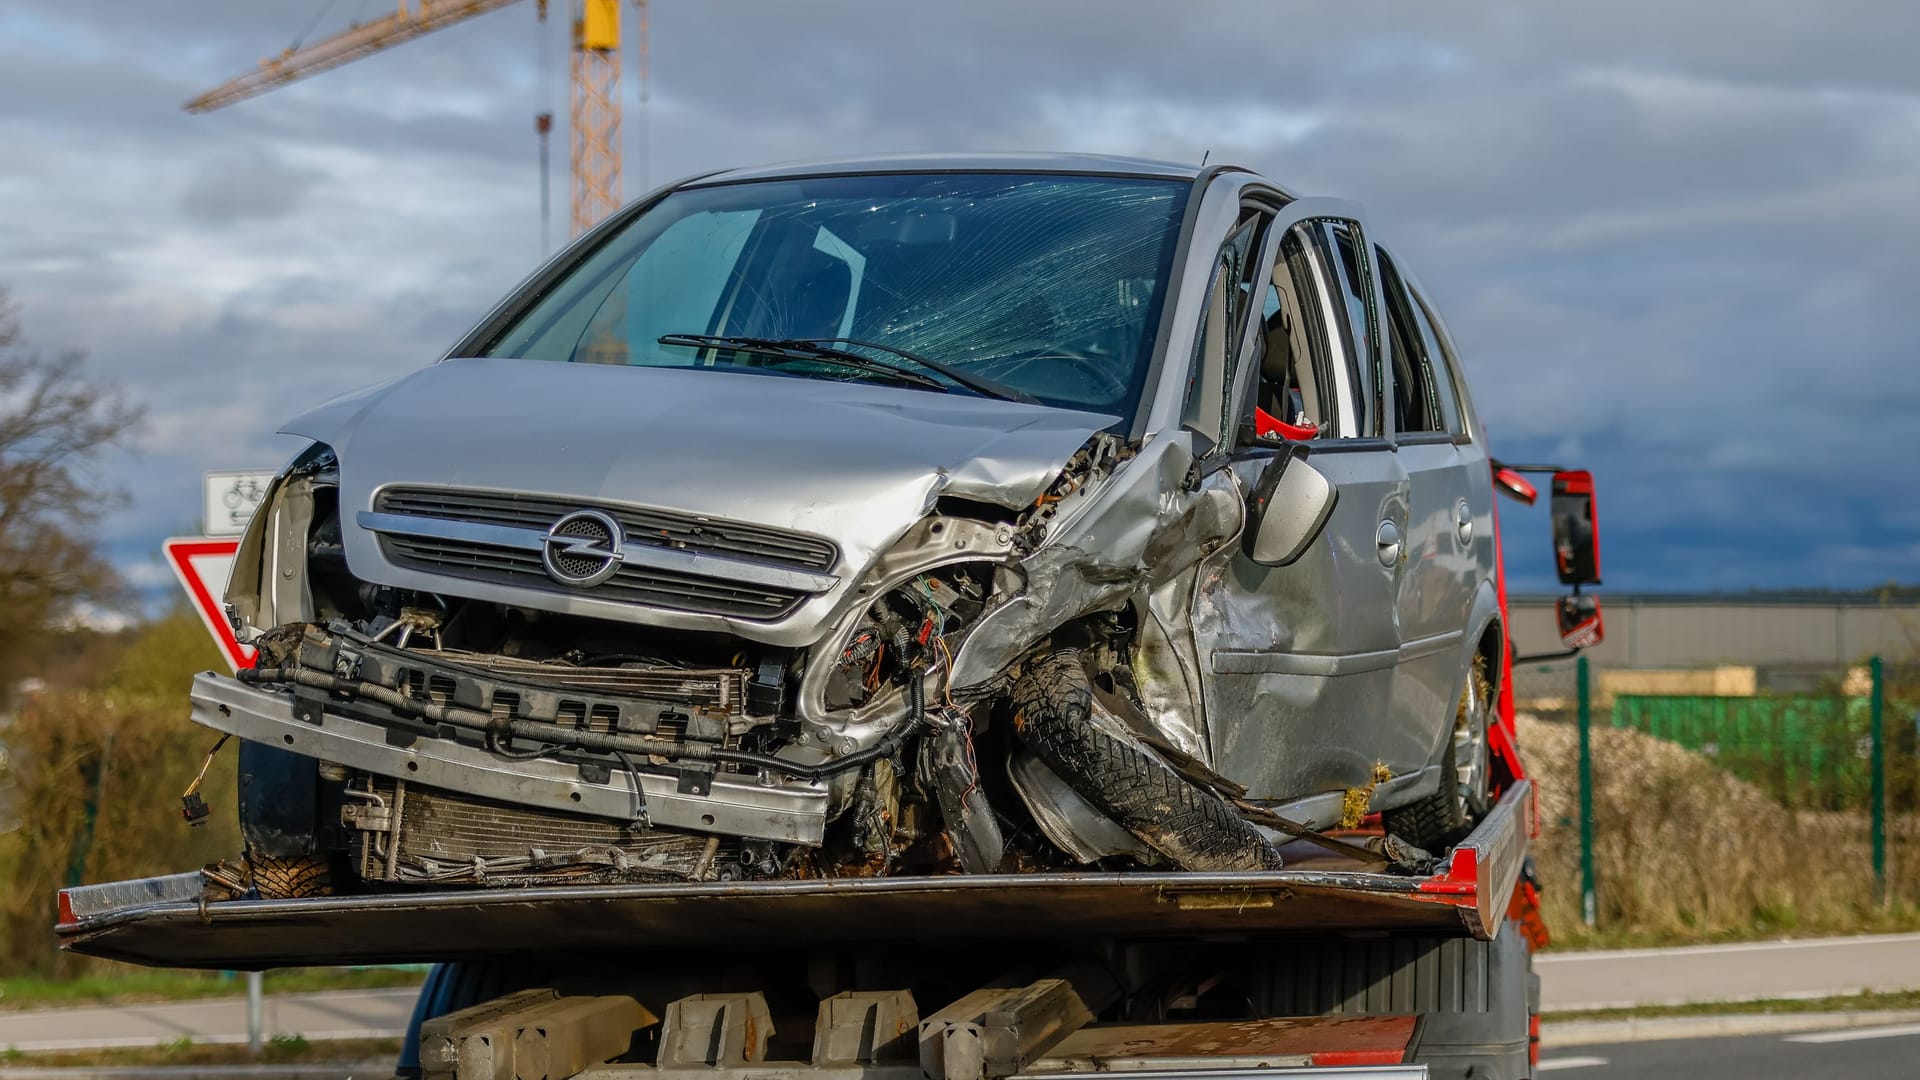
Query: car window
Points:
[1294, 365]
[1051, 285]
[1222, 322]
[1357, 331]
[1415, 409]
[1440, 356]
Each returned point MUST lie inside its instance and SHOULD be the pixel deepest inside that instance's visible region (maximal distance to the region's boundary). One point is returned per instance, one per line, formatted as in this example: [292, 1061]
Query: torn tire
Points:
[1123, 778]
[290, 879]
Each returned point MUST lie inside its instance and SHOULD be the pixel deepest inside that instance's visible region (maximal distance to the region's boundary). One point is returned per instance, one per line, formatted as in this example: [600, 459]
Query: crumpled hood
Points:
[856, 463]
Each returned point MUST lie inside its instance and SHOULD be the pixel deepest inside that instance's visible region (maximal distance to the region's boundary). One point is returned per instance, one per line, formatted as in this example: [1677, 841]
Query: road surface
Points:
[1755, 971]
[333, 1014]
[1882, 1053]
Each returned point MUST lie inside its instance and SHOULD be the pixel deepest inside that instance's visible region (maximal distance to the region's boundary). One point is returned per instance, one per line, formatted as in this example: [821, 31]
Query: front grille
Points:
[631, 583]
[642, 525]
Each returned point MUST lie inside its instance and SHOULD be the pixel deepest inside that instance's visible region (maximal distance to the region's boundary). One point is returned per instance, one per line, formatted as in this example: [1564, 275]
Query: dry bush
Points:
[1685, 851]
[127, 750]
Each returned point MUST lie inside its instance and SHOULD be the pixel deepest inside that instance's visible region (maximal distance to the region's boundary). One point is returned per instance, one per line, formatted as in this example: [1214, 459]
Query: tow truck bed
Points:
[162, 921]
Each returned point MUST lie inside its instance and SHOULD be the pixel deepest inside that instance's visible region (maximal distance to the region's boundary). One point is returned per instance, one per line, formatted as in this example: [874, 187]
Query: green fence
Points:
[1813, 752]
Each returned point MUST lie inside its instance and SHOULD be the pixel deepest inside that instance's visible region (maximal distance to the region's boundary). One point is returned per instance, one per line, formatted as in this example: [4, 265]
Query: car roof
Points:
[1096, 164]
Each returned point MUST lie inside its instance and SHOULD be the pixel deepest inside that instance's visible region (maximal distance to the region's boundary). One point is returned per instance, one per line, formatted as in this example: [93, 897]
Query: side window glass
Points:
[1441, 358]
[1229, 296]
[1344, 257]
[1414, 409]
[1294, 379]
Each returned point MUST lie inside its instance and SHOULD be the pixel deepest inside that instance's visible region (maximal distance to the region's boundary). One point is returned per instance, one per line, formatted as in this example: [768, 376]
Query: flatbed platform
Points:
[162, 921]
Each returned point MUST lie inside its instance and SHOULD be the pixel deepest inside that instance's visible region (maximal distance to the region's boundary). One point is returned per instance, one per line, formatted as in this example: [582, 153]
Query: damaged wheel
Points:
[1445, 817]
[1055, 715]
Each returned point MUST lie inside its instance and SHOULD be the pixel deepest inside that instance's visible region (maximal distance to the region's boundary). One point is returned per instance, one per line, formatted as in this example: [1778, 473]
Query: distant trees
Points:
[54, 423]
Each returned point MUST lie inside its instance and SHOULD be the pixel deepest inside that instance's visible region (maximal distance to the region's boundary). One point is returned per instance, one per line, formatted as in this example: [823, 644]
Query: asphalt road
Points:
[334, 1014]
[1754, 971]
[1883, 1053]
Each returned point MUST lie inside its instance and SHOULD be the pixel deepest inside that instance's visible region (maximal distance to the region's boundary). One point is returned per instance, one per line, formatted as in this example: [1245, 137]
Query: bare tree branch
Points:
[54, 421]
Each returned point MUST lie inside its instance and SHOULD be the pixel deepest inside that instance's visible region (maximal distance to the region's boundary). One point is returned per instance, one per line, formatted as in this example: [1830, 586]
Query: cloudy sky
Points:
[1677, 243]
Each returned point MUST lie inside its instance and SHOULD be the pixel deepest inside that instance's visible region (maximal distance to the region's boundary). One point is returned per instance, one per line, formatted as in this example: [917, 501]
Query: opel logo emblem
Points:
[582, 549]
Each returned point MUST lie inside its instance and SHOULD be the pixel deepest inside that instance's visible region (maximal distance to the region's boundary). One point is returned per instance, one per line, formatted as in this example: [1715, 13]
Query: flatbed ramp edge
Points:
[164, 921]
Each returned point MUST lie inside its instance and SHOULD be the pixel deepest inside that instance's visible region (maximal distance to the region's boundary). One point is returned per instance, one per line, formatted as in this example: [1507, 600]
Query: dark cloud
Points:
[245, 186]
[1676, 242]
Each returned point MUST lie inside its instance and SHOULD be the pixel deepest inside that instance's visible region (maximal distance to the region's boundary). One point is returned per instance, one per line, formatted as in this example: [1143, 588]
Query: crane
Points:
[594, 68]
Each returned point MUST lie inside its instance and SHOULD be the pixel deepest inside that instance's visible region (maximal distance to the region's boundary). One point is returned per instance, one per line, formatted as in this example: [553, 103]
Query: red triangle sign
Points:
[203, 566]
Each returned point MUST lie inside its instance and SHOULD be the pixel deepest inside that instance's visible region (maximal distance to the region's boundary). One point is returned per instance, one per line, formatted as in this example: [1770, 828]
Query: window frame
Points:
[1393, 282]
[1207, 406]
[1456, 378]
[1309, 213]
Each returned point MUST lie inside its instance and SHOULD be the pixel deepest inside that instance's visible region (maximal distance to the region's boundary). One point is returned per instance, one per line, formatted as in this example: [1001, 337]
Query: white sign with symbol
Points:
[232, 497]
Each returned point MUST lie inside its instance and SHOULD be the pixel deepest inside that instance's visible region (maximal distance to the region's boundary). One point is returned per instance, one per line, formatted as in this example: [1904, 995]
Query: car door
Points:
[1440, 571]
[1298, 661]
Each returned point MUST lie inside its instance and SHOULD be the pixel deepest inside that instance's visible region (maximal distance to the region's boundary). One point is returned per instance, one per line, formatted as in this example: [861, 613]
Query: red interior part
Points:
[1265, 423]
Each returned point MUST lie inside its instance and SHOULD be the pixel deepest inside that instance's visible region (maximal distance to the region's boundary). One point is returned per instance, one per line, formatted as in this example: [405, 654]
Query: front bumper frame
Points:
[790, 811]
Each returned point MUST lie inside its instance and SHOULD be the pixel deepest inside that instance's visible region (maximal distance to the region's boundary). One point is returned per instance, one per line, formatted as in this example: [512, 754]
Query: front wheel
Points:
[1445, 817]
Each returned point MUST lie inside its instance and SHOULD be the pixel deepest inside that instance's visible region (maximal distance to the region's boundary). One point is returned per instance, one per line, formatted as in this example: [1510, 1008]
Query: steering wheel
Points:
[1100, 370]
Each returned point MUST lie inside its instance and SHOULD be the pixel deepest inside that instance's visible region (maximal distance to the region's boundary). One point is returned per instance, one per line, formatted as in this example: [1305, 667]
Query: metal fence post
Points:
[1589, 907]
[1877, 785]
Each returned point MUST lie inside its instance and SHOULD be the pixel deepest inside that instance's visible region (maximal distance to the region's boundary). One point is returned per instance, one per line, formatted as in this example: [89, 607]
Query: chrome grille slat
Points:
[642, 525]
[630, 583]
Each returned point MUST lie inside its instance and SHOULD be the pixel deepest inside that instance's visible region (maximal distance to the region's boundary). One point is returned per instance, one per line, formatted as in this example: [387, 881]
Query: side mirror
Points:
[1576, 529]
[1579, 619]
[1289, 507]
[1514, 486]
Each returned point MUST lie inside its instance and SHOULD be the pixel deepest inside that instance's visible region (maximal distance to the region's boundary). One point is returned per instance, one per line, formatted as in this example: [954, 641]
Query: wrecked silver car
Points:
[905, 516]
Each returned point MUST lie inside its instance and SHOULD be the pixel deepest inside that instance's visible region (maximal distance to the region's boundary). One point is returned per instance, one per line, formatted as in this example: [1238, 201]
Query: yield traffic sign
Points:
[203, 566]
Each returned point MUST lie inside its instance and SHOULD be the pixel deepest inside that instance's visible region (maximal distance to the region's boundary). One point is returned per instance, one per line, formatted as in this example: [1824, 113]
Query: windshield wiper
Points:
[826, 350]
[976, 383]
[800, 349]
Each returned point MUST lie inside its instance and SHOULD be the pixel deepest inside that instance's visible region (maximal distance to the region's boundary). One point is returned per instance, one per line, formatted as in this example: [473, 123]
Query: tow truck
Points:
[1332, 966]
[1285, 932]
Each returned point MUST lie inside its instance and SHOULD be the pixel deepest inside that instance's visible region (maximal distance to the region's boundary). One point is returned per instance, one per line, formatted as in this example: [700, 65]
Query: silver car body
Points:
[1301, 683]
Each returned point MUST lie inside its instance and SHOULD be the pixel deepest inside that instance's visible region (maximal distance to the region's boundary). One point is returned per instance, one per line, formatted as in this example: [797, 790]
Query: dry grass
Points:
[1683, 851]
[125, 984]
[363, 1057]
[121, 754]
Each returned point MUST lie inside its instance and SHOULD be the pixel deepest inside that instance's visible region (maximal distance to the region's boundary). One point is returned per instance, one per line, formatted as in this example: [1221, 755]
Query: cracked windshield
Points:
[1044, 288]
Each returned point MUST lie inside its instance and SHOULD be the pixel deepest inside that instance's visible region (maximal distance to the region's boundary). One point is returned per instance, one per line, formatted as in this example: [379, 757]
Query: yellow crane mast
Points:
[595, 69]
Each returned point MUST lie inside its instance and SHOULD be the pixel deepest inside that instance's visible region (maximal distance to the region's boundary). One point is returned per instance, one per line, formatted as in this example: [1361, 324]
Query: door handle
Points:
[1463, 521]
[1388, 540]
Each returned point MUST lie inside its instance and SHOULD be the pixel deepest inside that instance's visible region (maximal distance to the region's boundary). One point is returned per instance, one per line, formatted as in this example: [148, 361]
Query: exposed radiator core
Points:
[408, 834]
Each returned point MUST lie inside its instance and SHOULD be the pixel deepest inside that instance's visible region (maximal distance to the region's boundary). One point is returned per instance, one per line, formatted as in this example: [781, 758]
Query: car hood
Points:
[856, 463]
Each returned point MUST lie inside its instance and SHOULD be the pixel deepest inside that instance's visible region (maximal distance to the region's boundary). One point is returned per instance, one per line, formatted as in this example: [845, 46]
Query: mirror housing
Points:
[1576, 529]
[1510, 483]
[1578, 617]
[1287, 510]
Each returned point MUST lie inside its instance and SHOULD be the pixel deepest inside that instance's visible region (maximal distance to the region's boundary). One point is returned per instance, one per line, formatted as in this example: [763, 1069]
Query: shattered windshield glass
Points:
[1046, 286]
